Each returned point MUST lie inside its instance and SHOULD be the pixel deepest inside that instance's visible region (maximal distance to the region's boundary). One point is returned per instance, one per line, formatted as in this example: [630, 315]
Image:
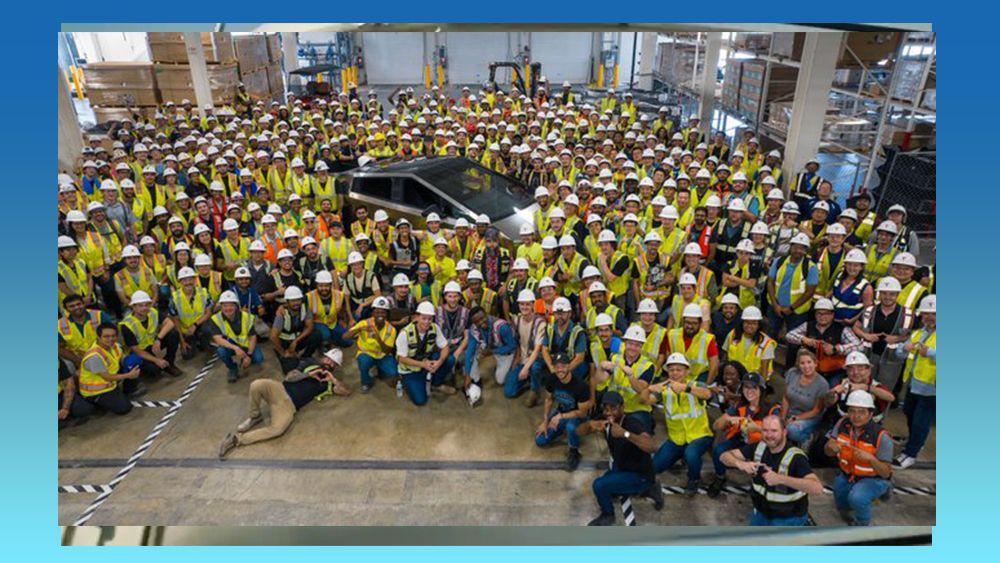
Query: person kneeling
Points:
[292, 333]
[376, 339]
[234, 337]
[422, 355]
[567, 402]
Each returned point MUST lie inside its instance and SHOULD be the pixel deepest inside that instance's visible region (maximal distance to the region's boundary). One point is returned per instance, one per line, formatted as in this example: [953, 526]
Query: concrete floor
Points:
[375, 460]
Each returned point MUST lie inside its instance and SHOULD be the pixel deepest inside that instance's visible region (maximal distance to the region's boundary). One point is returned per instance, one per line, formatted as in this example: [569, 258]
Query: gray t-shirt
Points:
[884, 452]
[803, 398]
[95, 364]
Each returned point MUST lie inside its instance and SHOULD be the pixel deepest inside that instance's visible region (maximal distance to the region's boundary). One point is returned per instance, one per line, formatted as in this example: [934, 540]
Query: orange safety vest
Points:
[867, 438]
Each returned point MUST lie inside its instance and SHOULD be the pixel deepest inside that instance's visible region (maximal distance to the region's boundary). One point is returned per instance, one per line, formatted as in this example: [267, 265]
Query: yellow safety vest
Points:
[685, 416]
[325, 190]
[922, 368]
[878, 266]
[910, 296]
[368, 345]
[749, 354]
[413, 343]
[598, 354]
[775, 494]
[798, 287]
[619, 286]
[620, 382]
[190, 310]
[571, 267]
[828, 274]
[93, 251]
[93, 384]
[337, 251]
[234, 255]
[746, 295]
[696, 354]
[246, 327]
[145, 334]
[323, 314]
[302, 186]
[75, 276]
[130, 285]
[677, 307]
[79, 339]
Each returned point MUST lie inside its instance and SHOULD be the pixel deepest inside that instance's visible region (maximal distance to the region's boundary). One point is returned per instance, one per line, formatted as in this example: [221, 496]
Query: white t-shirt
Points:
[403, 348]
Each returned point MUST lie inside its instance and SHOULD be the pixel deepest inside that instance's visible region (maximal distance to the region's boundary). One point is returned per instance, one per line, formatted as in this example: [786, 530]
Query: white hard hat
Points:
[290, 233]
[652, 236]
[836, 229]
[769, 181]
[739, 177]
[66, 242]
[243, 272]
[752, 313]
[713, 201]
[590, 271]
[381, 215]
[687, 278]
[692, 248]
[636, 334]
[230, 225]
[790, 207]
[202, 260]
[130, 251]
[857, 358]
[678, 359]
[647, 306]
[181, 246]
[759, 228]
[546, 282]
[730, 299]
[285, 253]
[821, 205]
[452, 287]
[461, 222]
[823, 304]
[800, 239]
[483, 219]
[400, 280]
[889, 227]
[75, 216]
[557, 213]
[354, 258]
[433, 217]
[692, 310]
[525, 295]
[463, 265]
[520, 264]
[186, 272]
[736, 204]
[138, 297]
[904, 259]
[335, 355]
[896, 209]
[669, 212]
[602, 319]
[856, 256]
[561, 304]
[889, 283]
[307, 241]
[607, 236]
[861, 398]
[630, 217]
[776, 194]
[293, 292]
[425, 308]
[928, 304]
[230, 297]
[381, 302]
[94, 206]
[525, 229]
[597, 287]
[549, 243]
[324, 276]
[476, 275]
[541, 191]
[567, 240]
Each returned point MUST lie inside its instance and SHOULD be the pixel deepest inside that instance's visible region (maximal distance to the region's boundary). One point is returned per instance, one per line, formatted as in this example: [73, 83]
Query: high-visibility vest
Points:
[878, 266]
[911, 295]
[599, 354]
[867, 439]
[865, 226]
[799, 278]
[677, 307]
[847, 303]
[158, 266]
[368, 228]
[292, 328]
[337, 251]
[368, 345]
[486, 300]
[130, 285]
[241, 339]
[190, 310]
[619, 382]
[749, 352]
[234, 255]
[79, 339]
[325, 190]
[278, 183]
[324, 314]
[611, 310]
[619, 286]
[685, 416]
[75, 276]
[747, 296]
[418, 348]
[696, 353]
[93, 250]
[461, 249]
[921, 368]
[651, 347]
[301, 186]
[92, 383]
[571, 267]
[777, 493]
[642, 264]
[828, 271]
[432, 292]
[144, 331]
[214, 284]
[272, 247]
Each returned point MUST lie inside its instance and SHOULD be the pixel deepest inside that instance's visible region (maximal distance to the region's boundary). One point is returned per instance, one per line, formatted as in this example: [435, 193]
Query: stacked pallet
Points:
[677, 64]
[120, 85]
[169, 47]
[780, 85]
[258, 57]
[731, 84]
[275, 79]
[174, 82]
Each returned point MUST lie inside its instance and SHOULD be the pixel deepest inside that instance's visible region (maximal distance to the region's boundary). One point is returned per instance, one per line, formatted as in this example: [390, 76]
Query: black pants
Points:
[110, 296]
[171, 342]
[79, 408]
[113, 401]
[200, 340]
[306, 348]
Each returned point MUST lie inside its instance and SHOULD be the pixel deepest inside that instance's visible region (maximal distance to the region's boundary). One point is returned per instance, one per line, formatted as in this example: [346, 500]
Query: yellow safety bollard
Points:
[344, 79]
[600, 76]
[527, 78]
[77, 73]
[615, 83]
[427, 76]
[440, 76]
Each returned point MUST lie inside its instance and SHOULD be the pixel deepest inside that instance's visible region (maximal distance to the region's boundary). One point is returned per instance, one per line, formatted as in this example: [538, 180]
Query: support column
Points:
[199, 71]
[290, 56]
[647, 60]
[707, 102]
[70, 137]
[812, 89]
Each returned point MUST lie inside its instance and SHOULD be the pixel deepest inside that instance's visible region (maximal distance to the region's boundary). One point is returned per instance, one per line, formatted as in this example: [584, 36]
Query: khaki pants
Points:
[282, 411]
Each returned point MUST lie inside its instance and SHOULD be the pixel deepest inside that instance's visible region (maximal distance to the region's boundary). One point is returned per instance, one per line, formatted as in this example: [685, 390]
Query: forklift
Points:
[518, 77]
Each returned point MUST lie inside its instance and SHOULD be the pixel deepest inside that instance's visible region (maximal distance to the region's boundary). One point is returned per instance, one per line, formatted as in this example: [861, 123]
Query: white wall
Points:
[564, 55]
[469, 55]
[112, 46]
[394, 58]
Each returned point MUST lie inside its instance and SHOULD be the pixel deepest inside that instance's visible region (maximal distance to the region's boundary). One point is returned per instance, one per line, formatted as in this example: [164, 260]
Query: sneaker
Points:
[445, 388]
[365, 389]
[231, 377]
[572, 459]
[904, 461]
[249, 423]
[655, 493]
[137, 392]
[531, 399]
[715, 487]
[692, 488]
[227, 445]
[605, 519]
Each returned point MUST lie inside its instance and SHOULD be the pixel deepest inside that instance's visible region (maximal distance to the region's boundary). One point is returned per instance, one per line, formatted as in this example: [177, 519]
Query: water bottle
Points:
[399, 389]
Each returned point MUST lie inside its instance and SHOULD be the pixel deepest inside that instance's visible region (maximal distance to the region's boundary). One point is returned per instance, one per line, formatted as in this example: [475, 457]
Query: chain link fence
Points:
[909, 179]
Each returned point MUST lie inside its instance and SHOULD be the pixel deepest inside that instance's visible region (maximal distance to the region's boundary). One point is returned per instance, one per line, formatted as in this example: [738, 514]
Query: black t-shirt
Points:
[626, 456]
[883, 323]
[306, 389]
[291, 279]
[568, 395]
[799, 468]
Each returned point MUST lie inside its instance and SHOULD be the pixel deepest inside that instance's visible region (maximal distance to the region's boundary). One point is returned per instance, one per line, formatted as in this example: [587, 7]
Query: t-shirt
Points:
[525, 339]
[802, 399]
[403, 347]
[306, 389]
[567, 395]
[784, 291]
[626, 456]
[798, 468]
[279, 320]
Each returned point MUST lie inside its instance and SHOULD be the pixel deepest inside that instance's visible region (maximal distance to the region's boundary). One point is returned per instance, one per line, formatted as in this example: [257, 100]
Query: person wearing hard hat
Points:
[859, 376]
[883, 327]
[143, 335]
[729, 233]
[281, 278]
[905, 239]
[441, 265]
[310, 262]
[741, 276]
[567, 404]
[103, 368]
[630, 471]
[850, 291]
[781, 233]
[304, 383]
[750, 346]
[232, 250]
[651, 274]
[689, 434]
[492, 260]
[488, 336]
[829, 340]
[597, 295]
[190, 308]
[615, 266]
[904, 266]
[881, 251]
[920, 376]
[830, 257]
[328, 305]
[629, 373]
[402, 303]
[376, 339]
[806, 183]
[865, 218]
[824, 194]
[422, 353]
[77, 330]
[604, 346]
[520, 280]
[565, 336]
[726, 318]
[791, 284]
[570, 266]
[362, 285]
[782, 478]
[695, 343]
[864, 453]
[528, 366]
[73, 273]
[135, 276]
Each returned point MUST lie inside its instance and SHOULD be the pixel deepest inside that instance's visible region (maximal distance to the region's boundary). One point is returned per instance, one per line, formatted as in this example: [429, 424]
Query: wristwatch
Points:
[627, 434]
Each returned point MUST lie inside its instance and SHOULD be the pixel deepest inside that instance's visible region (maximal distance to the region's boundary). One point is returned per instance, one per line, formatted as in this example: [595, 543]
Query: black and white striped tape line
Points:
[84, 488]
[154, 404]
[627, 513]
[745, 489]
[144, 447]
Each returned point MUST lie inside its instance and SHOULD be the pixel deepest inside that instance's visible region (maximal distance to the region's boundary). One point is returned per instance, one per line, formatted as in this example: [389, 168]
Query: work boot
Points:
[249, 423]
[231, 377]
[845, 515]
[174, 371]
[365, 389]
[692, 488]
[137, 392]
[445, 388]
[227, 445]
[605, 519]
[572, 459]
[531, 399]
[715, 487]
[655, 493]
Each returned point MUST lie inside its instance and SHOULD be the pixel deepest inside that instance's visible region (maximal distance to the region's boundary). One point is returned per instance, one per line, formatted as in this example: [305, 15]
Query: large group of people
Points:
[666, 273]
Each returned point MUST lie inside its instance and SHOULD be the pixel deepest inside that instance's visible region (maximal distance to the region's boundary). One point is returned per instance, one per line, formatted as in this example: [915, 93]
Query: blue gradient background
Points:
[967, 453]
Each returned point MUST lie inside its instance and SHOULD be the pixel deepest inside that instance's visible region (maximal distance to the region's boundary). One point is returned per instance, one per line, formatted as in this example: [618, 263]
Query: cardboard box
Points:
[276, 81]
[869, 47]
[788, 45]
[251, 52]
[138, 75]
[274, 48]
[122, 97]
[169, 47]
[174, 82]
[256, 84]
[752, 41]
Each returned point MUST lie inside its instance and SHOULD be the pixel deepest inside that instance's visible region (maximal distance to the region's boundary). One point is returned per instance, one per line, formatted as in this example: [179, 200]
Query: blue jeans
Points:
[858, 496]
[512, 386]
[334, 335]
[415, 382]
[919, 411]
[365, 313]
[567, 425]
[800, 430]
[618, 483]
[721, 448]
[758, 519]
[386, 366]
[227, 355]
[692, 452]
